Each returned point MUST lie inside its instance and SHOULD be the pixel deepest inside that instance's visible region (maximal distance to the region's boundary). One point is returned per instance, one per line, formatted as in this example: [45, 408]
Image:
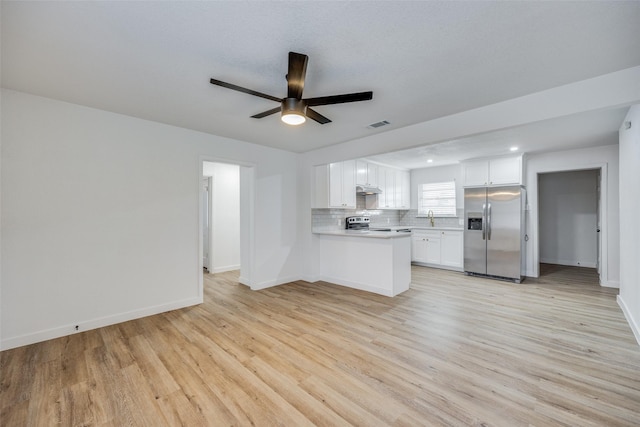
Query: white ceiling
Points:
[590, 129]
[422, 60]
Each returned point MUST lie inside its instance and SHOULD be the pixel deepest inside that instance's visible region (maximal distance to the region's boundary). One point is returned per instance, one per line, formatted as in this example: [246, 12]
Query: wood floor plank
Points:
[452, 351]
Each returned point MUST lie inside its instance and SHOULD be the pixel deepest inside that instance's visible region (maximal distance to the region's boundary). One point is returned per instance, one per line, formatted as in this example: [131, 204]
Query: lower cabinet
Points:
[437, 248]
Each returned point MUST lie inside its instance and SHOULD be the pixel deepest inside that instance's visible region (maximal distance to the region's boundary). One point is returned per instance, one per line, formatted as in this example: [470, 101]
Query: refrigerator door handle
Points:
[484, 220]
[489, 221]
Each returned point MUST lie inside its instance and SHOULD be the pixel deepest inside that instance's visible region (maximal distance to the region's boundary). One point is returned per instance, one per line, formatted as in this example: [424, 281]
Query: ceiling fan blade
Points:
[266, 113]
[339, 99]
[314, 115]
[245, 90]
[296, 74]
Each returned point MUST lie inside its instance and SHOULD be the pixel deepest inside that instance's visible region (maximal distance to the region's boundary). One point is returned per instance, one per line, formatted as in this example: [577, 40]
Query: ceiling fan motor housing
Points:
[294, 105]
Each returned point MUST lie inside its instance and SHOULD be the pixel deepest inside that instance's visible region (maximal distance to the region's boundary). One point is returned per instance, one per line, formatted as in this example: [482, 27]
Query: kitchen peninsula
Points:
[373, 261]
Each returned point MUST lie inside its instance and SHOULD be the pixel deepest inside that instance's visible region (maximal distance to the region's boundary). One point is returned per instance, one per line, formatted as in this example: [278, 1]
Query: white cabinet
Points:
[476, 173]
[335, 185]
[434, 250]
[451, 249]
[418, 248]
[386, 183]
[426, 246]
[366, 173]
[492, 172]
[395, 186]
[438, 248]
[505, 170]
[402, 190]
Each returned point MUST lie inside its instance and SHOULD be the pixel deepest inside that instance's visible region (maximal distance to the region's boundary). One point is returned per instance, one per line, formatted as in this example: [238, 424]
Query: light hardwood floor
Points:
[451, 351]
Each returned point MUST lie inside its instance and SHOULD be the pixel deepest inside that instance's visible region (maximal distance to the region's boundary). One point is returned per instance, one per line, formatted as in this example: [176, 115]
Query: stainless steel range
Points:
[359, 223]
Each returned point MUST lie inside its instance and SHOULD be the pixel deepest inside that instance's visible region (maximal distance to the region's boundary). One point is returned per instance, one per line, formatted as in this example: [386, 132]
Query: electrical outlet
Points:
[339, 222]
[388, 220]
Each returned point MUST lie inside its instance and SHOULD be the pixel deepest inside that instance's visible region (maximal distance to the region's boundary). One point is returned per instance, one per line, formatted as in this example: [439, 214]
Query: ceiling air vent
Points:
[378, 124]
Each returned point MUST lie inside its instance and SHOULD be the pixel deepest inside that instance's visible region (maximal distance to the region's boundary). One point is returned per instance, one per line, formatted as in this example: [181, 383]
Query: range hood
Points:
[363, 189]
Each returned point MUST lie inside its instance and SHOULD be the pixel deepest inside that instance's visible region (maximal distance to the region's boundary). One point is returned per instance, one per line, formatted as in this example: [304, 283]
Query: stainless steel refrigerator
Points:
[494, 232]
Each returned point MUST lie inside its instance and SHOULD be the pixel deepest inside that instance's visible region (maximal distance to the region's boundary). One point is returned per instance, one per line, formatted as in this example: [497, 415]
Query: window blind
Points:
[438, 197]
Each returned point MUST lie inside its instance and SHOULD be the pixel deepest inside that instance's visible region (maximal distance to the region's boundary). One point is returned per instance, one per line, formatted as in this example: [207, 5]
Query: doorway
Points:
[221, 226]
[226, 218]
[569, 218]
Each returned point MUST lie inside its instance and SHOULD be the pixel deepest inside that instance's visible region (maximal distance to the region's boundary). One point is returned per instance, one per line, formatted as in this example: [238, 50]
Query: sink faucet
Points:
[430, 216]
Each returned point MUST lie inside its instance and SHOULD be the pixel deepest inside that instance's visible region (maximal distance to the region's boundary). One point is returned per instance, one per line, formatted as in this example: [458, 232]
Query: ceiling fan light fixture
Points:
[293, 111]
[293, 119]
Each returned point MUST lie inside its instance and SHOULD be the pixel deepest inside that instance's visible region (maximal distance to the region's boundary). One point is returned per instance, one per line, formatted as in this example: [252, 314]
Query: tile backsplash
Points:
[333, 219]
[410, 218]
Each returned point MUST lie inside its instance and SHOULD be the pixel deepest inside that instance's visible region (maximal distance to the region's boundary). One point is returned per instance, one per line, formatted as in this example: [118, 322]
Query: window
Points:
[438, 197]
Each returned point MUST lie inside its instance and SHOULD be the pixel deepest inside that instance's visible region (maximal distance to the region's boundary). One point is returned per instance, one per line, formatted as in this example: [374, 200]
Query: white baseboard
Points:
[630, 320]
[356, 285]
[310, 279]
[271, 283]
[100, 322]
[610, 284]
[226, 268]
[569, 262]
[440, 266]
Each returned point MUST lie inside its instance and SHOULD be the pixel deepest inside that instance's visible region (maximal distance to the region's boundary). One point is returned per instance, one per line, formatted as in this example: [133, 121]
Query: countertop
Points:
[367, 234]
[383, 234]
[421, 227]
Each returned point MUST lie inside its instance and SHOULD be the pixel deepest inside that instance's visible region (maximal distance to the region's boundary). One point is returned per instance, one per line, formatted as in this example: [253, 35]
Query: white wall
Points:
[629, 298]
[588, 158]
[568, 217]
[100, 216]
[437, 174]
[0, 187]
[224, 236]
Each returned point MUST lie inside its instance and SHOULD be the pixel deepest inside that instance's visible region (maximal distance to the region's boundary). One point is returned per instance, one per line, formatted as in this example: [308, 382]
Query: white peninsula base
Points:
[374, 262]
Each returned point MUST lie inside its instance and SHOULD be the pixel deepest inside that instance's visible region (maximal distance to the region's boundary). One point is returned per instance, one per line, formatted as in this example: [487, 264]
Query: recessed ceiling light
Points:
[430, 161]
[513, 149]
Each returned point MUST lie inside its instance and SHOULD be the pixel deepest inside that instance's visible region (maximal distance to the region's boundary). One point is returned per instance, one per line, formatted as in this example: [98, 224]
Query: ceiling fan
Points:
[295, 109]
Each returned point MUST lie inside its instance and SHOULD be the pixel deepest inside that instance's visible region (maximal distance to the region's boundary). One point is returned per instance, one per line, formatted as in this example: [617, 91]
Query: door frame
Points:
[208, 181]
[247, 218]
[603, 250]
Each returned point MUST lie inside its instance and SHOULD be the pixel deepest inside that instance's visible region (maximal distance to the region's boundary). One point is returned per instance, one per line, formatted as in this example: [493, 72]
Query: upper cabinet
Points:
[403, 192]
[386, 183]
[394, 184]
[493, 172]
[366, 173]
[336, 185]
